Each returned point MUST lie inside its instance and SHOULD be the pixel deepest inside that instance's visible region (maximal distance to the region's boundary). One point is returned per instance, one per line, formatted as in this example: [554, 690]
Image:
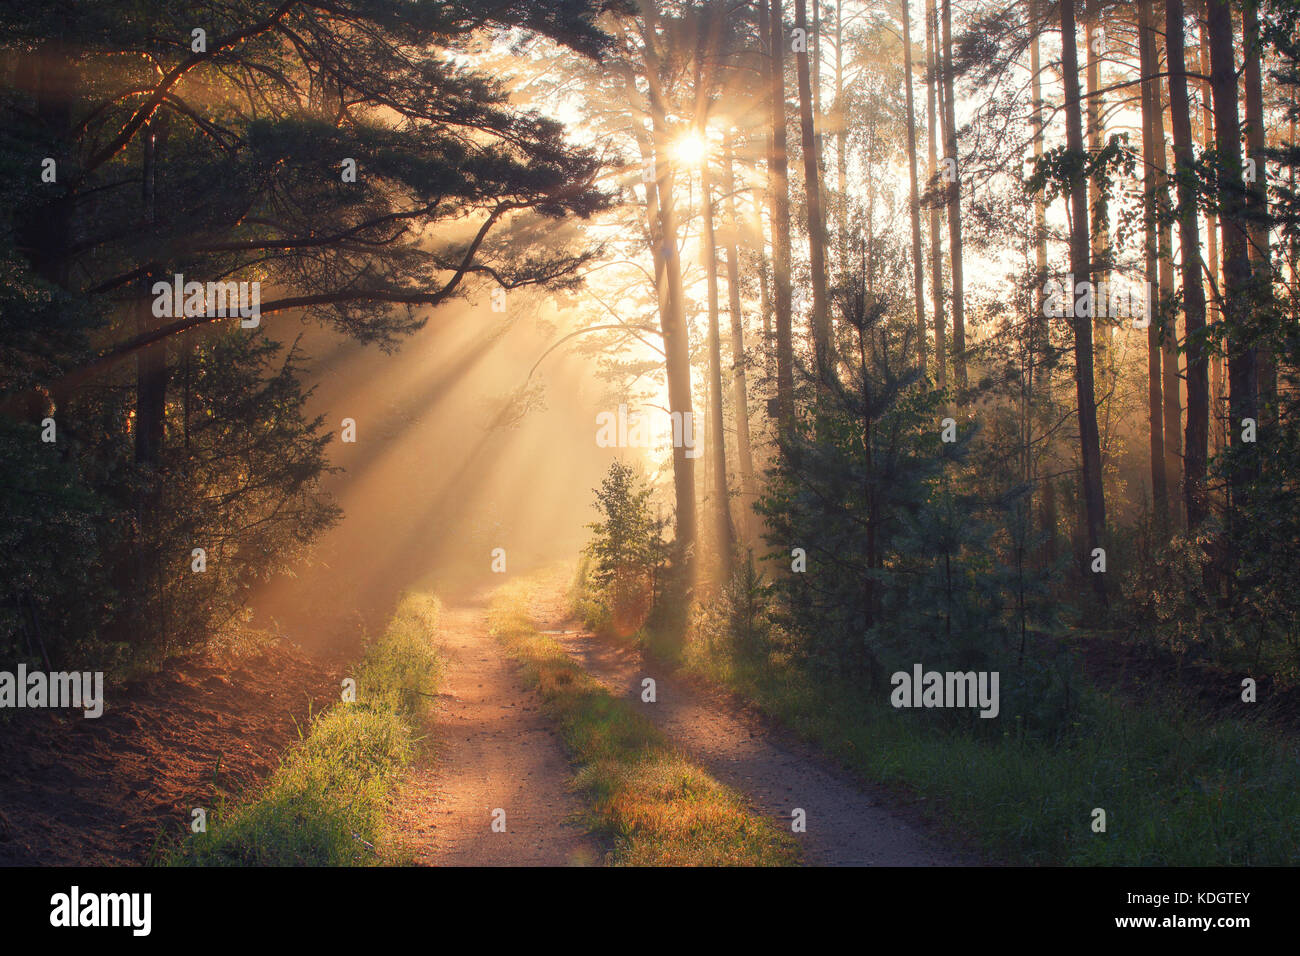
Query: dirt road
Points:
[847, 825]
[492, 748]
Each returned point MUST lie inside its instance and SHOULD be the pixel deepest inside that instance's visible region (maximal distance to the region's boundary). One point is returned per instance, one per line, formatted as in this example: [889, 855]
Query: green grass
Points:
[650, 802]
[1176, 790]
[325, 804]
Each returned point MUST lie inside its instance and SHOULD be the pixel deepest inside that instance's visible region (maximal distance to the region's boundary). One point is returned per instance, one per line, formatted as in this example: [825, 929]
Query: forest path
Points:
[847, 825]
[489, 746]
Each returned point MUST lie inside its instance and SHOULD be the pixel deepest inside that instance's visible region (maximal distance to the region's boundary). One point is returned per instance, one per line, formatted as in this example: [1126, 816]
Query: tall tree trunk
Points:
[918, 273]
[1242, 370]
[765, 292]
[740, 392]
[815, 45]
[1152, 183]
[710, 54]
[151, 363]
[1195, 448]
[1213, 277]
[723, 534]
[954, 206]
[1165, 316]
[819, 118]
[779, 204]
[1257, 198]
[1097, 200]
[1081, 266]
[841, 143]
[936, 250]
[1042, 339]
[821, 322]
[1102, 324]
[673, 318]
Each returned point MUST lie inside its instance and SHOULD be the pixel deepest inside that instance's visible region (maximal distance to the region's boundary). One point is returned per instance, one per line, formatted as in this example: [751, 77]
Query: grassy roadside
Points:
[324, 805]
[657, 807]
[1176, 790]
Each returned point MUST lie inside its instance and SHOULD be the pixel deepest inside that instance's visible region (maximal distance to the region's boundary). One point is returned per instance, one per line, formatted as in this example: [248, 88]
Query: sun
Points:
[690, 148]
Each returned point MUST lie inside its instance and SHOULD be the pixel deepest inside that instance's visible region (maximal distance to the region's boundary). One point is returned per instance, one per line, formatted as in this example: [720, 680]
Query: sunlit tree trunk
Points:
[1215, 313]
[1152, 183]
[740, 392]
[819, 118]
[764, 288]
[954, 205]
[763, 198]
[936, 249]
[1103, 324]
[815, 46]
[821, 322]
[1097, 202]
[841, 142]
[1166, 317]
[779, 206]
[1257, 196]
[1081, 267]
[1195, 448]
[717, 433]
[673, 318]
[710, 55]
[918, 272]
[1041, 376]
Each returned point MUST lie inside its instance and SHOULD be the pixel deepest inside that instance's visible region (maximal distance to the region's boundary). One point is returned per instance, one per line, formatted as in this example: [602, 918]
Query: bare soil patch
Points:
[109, 791]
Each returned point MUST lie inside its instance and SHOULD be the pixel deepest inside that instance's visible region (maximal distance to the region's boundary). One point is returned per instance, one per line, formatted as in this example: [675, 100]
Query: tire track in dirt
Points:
[847, 825]
[490, 745]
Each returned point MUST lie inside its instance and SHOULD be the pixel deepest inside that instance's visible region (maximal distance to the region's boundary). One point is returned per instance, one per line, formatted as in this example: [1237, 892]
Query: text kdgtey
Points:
[950, 689]
[1212, 896]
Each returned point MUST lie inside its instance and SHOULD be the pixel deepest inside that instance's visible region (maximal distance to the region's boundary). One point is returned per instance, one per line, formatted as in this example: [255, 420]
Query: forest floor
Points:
[113, 790]
[119, 790]
[489, 747]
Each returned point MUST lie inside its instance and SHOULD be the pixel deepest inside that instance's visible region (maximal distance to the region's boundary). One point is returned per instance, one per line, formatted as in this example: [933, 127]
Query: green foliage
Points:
[918, 549]
[627, 549]
[53, 544]
[224, 165]
[238, 477]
